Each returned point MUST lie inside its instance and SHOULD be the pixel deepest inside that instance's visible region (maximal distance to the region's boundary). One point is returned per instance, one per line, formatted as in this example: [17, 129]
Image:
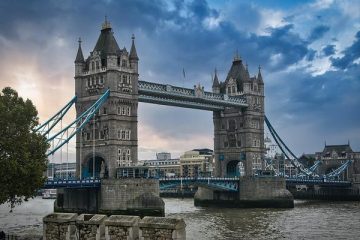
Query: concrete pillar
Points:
[59, 226]
[122, 227]
[162, 228]
[90, 226]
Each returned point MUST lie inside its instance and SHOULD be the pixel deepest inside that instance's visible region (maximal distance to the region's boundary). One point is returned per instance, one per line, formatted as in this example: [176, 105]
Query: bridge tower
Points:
[239, 133]
[110, 139]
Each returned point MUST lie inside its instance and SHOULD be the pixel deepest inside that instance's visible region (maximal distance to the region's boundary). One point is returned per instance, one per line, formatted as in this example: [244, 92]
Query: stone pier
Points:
[128, 196]
[261, 192]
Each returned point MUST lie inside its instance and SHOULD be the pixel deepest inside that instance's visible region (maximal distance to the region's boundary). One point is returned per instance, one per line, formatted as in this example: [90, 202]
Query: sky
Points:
[309, 52]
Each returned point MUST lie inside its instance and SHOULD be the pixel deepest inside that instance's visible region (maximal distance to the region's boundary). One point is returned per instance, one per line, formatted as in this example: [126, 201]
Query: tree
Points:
[23, 157]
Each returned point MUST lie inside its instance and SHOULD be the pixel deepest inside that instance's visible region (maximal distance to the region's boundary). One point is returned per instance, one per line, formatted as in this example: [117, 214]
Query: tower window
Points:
[233, 89]
[104, 111]
[92, 65]
[123, 63]
[128, 111]
[229, 90]
[123, 134]
[97, 65]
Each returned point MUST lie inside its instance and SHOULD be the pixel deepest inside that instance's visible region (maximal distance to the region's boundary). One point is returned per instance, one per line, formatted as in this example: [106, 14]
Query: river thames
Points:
[308, 220]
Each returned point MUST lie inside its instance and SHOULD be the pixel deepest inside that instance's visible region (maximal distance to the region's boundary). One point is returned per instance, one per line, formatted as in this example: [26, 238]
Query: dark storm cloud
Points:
[310, 55]
[329, 50]
[351, 54]
[285, 43]
[172, 35]
[318, 32]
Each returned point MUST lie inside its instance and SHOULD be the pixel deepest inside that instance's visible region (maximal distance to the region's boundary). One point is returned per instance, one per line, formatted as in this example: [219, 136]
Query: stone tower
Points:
[110, 139]
[239, 133]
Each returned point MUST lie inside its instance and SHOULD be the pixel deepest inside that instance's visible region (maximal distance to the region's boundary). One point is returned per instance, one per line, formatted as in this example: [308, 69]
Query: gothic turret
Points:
[216, 83]
[133, 57]
[79, 61]
[259, 77]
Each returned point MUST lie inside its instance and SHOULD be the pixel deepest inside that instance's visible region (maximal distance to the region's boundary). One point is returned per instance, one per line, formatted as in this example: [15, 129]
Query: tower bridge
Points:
[237, 104]
[108, 90]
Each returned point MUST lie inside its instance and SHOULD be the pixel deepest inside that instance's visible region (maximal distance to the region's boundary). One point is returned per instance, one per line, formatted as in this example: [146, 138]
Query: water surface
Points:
[308, 220]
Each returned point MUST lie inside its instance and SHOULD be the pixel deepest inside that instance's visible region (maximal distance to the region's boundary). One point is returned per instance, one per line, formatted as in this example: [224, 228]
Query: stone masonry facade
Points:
[113, 130]
[239, 133]
[69, 226]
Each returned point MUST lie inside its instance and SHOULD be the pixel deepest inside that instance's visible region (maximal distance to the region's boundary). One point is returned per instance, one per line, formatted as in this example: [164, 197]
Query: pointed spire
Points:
[133, 53]
[247, 71]
[79, 56]
[106, 24]
[259, 77]
[237, 57]
[216, 80]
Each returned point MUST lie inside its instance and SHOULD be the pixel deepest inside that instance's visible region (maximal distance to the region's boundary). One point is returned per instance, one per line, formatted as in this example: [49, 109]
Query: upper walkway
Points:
[197, 98]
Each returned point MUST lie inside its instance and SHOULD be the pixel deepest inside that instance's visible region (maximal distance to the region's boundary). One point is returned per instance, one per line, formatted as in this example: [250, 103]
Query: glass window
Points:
[128, 111]
[122, 134]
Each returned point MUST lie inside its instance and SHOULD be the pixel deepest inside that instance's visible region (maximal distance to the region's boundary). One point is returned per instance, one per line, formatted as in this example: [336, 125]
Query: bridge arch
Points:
[101, 169]
[233, 168]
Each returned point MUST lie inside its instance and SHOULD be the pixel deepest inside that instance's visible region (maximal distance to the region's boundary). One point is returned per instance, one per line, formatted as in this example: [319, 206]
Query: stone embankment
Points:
[71, 226]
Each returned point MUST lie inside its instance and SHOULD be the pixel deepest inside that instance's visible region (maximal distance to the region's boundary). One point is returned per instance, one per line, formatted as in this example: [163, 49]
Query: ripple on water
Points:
[308, 220]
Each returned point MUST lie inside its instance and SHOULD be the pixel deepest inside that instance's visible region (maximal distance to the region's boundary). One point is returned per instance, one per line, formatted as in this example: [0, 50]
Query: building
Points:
[113, 131]
[333, 156]
[163, 156]
[239, 133]
[162, 166]
[61, 170]
[197, 163]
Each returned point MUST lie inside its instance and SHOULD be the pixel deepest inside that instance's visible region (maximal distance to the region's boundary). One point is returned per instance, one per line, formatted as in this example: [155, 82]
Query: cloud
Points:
[329, 50]
[351, 54]
[38, 44]
[318, 32]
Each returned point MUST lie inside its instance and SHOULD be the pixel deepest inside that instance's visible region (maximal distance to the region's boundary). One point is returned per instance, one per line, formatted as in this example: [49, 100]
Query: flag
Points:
[183, 72]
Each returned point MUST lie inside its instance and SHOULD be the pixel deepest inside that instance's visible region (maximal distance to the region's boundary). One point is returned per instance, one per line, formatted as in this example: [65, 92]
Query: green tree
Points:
[22, 152]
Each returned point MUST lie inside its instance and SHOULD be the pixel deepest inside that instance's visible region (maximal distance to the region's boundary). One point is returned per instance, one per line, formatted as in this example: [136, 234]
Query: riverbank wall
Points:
[68, 226]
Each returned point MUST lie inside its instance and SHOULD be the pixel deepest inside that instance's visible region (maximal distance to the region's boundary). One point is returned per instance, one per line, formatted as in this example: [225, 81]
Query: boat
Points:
[49, 194]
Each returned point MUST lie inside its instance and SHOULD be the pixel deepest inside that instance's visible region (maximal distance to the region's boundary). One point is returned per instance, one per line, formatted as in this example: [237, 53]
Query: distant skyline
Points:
[309, 52]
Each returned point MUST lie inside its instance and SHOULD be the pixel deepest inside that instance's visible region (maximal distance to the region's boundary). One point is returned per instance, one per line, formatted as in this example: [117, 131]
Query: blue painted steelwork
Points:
[295, 161]
[46, 127]
[189, 98]
[227, 184]
[318, 181]
[74, 183]
[339, 170]
[312, 168]
[62, 137]
[286, 150]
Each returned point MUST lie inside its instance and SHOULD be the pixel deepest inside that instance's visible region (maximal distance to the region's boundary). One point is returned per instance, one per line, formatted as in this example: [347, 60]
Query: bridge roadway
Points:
[227, 184]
